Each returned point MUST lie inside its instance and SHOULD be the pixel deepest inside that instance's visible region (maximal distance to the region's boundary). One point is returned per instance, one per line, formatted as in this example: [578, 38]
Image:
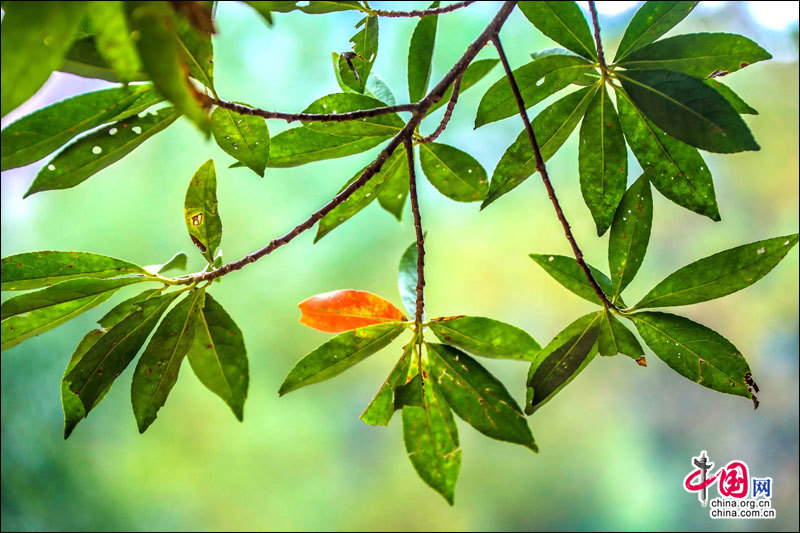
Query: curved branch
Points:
[328, 117]
[447, 114]
[422, 12]
[412, 192]
[540, 166]
[405, 135]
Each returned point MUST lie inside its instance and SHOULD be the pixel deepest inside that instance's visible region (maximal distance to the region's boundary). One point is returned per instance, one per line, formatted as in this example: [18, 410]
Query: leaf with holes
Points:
[696, 352]
[478, 397]
[539, 79]
[630, 235]
[689, 110]
[564, 23]
[562, 360]
[650, 22]
[568, 273]
[244, 137]
[454, 173]
[339, 354]
[200, 211]
[354, 67]
[485, 337]
[551, 127]
[719, 274]
[344, 310]
[93, 152]
[602, 160]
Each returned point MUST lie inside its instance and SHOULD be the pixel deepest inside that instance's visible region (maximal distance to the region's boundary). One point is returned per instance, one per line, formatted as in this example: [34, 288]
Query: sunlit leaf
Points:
[676, 169]
[198, 52]
[302, 145]
[34, 38]
[244, 137]
[407, 278]
[355, 66]
[344, 310]
[394, 192]
[113, 38]
[157, 369]
[83, 59]
[719, 274]
[696, 352]
[339, 354]
[454, 173]
[420, 55]
[630, 234]
[650, 22]
[568, 273]
[176, 262]
[551, 127]
[478, 397]
[689, 110]
[485, 337]
[734, 99]
[381, 125]
[602, 160]
[562, 360]
[94, 152]
[564, 23]
[200, 211]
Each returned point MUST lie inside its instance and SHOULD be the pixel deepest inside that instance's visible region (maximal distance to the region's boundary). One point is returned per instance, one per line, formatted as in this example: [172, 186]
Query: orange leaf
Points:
[344, 310]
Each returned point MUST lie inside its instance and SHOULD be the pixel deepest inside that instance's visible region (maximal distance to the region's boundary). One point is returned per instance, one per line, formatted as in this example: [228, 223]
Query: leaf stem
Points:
[540, 166]
[600, 56]
[412, 188]
[447, 114]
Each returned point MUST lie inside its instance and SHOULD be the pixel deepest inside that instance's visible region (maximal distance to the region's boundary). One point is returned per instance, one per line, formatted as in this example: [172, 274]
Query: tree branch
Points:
[540, 166]
[447, 114]
[412, 188]
[404, 135]
[422, 12]
[600, 56]
[328, 117]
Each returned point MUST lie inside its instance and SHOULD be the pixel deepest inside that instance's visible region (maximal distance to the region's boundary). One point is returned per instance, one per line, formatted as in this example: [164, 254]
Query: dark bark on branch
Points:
[447, 113]
[422, 12]
[412, 188]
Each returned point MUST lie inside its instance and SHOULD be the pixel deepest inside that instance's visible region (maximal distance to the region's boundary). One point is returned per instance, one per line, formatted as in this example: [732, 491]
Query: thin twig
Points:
[540, 166]
[317, 117]
[600, 56]
[447, 113]
[422, 12]
[405, 134]
[412, 192]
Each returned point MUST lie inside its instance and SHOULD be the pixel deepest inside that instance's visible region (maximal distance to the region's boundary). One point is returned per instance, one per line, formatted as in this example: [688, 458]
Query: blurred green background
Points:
[615, 445]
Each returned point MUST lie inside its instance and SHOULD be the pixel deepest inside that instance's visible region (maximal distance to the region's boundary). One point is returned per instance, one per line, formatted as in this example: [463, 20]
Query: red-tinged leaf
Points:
[346, 309]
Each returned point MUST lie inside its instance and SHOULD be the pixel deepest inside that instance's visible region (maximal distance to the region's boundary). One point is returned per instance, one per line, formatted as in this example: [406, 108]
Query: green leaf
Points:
[537, 80]
[218, 356]
[377, 89]
[34, 38]
[615, 338]
[176, 262]
[198, 52]
[200, 211]
[551, 127]
[34, 270]
[299, 146]
[696, 352]
[702, 55]
[113, 39]
[478, 397]
[339, 354]
[123, 309]
[70, 403]
[650, 22]
[407, 278]
[719, 274]
[431, 438]
[454, 173]
[474, 73]
[420, 56]
[689, 110]
[741, 107]
[265, 8]
[380, 410]
[157, 369]
[83, 59]
[163, 58]
[564, 23]
[112, 353]
[319, 7]
[34, 136]
[381, 125]
[394, 192]
[365, 48]
[566, 271]
[362, 197]
[602, 160]
[676, 169]
[94, 152]
[34, 313]
[485, 337]
[560, 361]
[630, 234]
[409, 394]
[244, 137]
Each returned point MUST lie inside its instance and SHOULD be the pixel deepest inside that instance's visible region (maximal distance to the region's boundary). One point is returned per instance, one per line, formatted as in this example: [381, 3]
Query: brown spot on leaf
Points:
[641, 361]
[198, 243]
[445, 318]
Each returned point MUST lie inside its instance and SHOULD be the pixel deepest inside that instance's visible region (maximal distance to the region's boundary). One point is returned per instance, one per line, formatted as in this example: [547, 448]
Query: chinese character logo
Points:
[762, 487]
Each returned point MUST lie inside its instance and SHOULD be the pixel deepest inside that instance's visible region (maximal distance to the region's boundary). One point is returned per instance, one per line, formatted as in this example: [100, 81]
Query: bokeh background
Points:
[615, 445]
